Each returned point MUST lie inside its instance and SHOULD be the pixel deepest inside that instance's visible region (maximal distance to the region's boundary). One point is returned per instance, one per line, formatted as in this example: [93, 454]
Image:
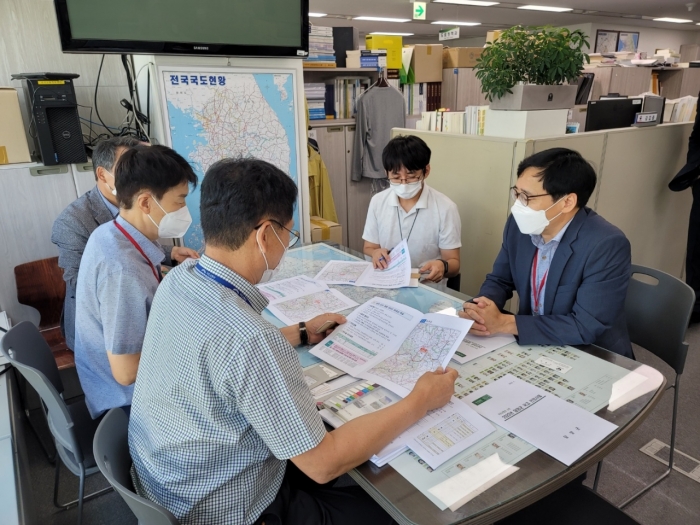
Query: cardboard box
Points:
[426, 63]
[392, 44]
[457, 57]
[492, 36]
[323, 230]
[13, 141]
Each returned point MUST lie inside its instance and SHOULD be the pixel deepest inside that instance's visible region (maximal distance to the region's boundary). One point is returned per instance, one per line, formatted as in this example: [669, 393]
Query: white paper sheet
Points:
[322, 391]
[305, 307]
[397, 275]
[392, 344]
[474, 346]
[560, 429]
[445, 432]
[284, 289]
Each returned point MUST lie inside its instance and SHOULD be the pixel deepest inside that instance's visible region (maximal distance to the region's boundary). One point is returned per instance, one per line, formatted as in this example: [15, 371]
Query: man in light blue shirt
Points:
[120, 272]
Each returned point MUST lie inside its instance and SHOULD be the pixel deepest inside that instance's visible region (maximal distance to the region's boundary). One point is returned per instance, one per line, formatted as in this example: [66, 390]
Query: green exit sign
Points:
[419, 9]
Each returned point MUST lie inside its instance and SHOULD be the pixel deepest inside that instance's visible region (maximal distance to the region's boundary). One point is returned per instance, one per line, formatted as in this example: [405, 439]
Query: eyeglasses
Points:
[293, 234]
[523, 198]
[396, 179]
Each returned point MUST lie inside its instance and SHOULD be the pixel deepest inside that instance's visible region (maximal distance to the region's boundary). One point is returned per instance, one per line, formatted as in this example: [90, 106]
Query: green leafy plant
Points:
[532, 55]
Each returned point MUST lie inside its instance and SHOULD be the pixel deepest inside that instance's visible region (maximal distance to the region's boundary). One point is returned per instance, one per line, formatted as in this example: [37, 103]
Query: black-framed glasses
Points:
[522, 197]
[293, 234]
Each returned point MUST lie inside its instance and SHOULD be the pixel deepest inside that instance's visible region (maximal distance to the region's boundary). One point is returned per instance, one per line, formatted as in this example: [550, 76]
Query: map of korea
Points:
[423, 351]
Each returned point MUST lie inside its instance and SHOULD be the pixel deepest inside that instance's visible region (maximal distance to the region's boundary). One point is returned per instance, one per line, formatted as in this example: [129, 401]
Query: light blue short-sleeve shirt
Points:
[115, 289]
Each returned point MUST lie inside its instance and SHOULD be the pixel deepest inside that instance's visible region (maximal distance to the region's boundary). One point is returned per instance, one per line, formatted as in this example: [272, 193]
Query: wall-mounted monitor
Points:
[274, 28]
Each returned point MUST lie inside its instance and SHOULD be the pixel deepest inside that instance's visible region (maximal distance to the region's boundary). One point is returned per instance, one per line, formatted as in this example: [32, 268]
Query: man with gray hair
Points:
[73, 227]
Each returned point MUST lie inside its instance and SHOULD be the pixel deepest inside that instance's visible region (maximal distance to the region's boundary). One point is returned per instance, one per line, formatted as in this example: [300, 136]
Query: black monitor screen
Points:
[612, 113]
[185, 26]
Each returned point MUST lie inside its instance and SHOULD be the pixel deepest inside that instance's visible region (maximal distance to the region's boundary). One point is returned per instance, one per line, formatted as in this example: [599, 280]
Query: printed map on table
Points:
[215, 114]
[423, 351]
[309, 306]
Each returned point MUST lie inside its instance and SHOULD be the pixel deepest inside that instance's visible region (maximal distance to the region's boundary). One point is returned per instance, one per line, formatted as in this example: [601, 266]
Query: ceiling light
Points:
[673, 20]
[446, 23]
[381, 19]
[546, 8]
[317, 15]
[390, 34]
[466, 2]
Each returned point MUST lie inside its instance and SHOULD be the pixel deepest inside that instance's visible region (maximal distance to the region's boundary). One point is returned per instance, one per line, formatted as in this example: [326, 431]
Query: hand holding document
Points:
[560, 429]
[396, 275]
[392, 344]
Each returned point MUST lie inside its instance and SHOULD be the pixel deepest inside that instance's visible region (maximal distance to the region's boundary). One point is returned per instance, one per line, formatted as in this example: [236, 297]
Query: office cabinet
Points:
[627, 81]
[461, 88]
[676, 83]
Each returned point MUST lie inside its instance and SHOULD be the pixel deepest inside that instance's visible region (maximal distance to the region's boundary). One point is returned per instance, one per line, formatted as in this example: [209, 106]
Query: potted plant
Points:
[531, 68]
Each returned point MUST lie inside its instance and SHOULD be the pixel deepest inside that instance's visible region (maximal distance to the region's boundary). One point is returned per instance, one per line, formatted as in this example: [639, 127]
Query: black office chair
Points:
[667, 303]
[111, 451]
[71, 425]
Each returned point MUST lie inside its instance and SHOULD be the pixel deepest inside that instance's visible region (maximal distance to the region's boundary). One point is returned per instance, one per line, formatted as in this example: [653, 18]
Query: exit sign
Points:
[449, 34]
[419, 9]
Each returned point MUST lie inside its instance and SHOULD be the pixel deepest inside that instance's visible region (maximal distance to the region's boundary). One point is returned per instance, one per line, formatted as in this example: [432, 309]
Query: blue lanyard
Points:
[223, 282]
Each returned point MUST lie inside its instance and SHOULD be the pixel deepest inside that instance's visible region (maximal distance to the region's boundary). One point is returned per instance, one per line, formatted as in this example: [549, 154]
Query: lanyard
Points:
[136, 245]
[537, 291]
[220, 280]
[398, 216]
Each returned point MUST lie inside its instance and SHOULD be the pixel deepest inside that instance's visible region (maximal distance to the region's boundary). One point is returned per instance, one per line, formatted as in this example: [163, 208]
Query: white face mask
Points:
[174, 224]
[407, 191]
[268, 274]
[529, 221]
[112, 190]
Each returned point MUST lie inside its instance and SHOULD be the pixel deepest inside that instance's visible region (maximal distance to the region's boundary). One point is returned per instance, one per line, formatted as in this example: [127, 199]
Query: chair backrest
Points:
[29, 353]
[40, 285]
[111, 451]
[658, 314]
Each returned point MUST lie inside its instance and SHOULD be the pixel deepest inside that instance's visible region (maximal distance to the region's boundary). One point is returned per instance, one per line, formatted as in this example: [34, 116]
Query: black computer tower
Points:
[54, 122]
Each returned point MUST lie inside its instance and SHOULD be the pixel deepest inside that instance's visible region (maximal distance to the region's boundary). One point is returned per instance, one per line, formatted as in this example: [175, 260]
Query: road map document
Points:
[284, 289]
[562, 430]
[305, 307]
[397, 275]
[392, 344]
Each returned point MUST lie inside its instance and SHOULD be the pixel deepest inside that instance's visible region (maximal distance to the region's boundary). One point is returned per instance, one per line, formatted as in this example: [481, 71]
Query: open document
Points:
[560, 429]
[475, 346]
[397, 275]
[284, 289]
[305, 307]
[392, 344]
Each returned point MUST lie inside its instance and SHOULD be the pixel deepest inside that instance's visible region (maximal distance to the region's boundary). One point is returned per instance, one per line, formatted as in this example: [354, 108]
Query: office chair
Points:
[71, 425]
[668, 303]
[111, 451]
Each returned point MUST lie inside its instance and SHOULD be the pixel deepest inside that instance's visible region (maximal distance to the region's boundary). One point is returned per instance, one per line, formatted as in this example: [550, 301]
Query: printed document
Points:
[392, 344]
[284, 289]
[397, 275]
[475, 346]
[305, 307]
[562, 430]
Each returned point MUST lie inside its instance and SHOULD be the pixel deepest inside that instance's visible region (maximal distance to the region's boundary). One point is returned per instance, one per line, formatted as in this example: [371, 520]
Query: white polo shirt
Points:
[432, 225]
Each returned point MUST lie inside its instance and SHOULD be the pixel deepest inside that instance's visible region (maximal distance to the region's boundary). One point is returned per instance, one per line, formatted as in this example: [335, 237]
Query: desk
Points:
[538, 474]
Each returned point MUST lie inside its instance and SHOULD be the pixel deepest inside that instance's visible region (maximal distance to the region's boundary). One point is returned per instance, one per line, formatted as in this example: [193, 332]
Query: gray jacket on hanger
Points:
[378, 111]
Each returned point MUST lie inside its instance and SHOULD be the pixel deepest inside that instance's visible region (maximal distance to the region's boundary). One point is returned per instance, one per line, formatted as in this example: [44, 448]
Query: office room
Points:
[337, 263]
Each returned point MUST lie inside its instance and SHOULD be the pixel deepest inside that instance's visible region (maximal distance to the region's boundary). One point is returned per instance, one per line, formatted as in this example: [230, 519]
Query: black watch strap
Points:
[303, 334]
[447, 266]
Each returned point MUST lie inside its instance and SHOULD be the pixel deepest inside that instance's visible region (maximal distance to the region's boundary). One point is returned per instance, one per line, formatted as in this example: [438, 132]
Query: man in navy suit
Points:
[569, 266]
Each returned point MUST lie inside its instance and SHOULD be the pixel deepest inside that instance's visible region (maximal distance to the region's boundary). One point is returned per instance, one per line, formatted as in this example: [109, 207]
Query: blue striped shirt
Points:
[545, 254]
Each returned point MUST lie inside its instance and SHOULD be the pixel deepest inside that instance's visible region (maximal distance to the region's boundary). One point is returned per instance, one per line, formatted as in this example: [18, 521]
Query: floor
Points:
[676, 501]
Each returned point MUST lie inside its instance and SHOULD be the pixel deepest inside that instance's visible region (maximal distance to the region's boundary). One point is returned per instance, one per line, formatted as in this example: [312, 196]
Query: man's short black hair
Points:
[155, 169]
[563, 171]
[238, 194]
[408, 151]
[105, 153]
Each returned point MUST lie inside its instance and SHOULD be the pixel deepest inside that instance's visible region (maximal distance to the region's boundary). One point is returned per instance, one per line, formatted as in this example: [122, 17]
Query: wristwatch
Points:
[303, 334]
[447, 267]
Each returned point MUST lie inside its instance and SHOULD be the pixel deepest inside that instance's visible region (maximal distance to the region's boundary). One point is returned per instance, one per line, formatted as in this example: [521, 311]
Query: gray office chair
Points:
[71, 425]
[668, 303]
[111, 450]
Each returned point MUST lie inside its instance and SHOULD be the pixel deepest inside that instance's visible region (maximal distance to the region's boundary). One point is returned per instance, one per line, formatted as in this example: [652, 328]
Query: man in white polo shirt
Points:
[410, 209]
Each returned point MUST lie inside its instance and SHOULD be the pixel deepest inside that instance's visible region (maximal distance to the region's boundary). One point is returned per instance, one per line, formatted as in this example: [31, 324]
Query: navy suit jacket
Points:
[586, 286]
